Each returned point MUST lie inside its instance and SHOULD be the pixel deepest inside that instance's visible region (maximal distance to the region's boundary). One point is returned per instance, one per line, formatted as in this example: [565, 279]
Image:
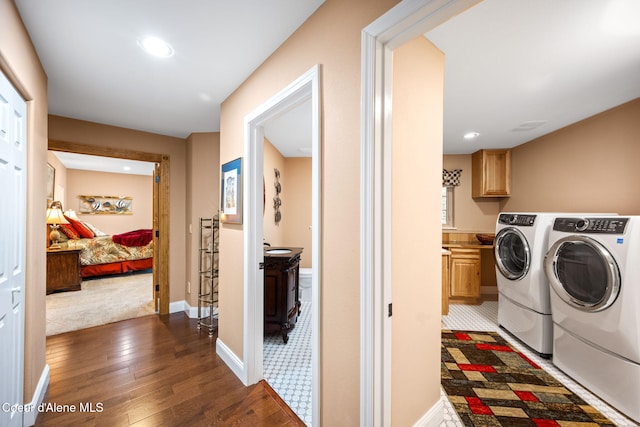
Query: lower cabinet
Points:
[445, 284]
[63, 270]
[281, 293]
[465, 274]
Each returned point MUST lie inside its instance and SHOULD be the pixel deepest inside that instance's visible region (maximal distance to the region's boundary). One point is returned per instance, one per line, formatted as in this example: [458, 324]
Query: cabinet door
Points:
[272, 299]
[445, 284]
[491, 173]
[465, 273]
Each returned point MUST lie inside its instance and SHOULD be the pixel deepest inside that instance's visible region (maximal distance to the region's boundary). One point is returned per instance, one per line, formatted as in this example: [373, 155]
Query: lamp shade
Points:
[55, 216]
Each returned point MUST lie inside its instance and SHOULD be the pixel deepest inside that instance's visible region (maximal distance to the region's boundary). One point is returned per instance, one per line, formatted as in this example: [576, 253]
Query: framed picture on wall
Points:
[231, 192]
[51, 181]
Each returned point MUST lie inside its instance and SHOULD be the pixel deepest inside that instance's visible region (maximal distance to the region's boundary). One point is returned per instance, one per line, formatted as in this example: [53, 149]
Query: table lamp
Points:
[55, 217]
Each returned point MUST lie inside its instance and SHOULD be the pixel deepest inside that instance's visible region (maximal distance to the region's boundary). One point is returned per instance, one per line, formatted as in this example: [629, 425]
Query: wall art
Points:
[118, 205]
[231, 192]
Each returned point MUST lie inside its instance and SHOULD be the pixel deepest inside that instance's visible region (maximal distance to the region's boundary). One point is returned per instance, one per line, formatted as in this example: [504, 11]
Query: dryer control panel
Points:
[591, 225]
[526, 220]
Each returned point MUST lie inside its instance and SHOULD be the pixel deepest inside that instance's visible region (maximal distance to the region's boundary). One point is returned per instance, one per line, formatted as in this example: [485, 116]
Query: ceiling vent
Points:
[527, 126]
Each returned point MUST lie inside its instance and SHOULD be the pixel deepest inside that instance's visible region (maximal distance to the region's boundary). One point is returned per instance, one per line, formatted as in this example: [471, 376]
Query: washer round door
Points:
[583, 273]
[513, 255]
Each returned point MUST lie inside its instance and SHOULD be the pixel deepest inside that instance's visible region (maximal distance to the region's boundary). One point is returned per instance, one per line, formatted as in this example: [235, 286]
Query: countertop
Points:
[294, 252]
[466, 245]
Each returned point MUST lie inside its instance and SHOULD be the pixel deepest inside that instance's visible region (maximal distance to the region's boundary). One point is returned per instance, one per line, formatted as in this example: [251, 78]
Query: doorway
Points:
[160, 208]
[305, 88]
[407, 20]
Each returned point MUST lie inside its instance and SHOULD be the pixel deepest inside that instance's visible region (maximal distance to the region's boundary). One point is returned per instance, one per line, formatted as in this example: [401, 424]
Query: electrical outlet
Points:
[190, 229]
[188, 287]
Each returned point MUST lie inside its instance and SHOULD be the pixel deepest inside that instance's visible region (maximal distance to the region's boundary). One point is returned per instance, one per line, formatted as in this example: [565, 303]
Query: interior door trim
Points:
[161, 214]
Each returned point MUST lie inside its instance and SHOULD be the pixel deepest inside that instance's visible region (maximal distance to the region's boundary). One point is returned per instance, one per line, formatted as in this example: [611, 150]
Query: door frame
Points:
[160, 213]
[405, 21]
[306, 87]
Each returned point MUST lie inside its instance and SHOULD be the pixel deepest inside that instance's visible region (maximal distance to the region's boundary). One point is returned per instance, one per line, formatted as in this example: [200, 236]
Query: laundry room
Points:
[571, 192]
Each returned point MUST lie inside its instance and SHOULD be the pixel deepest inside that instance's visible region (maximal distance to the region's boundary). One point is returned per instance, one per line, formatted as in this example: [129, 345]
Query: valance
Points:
[451, 178]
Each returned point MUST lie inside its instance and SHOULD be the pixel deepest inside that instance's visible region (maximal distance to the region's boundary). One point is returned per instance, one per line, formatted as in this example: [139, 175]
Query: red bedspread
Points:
[134, 238]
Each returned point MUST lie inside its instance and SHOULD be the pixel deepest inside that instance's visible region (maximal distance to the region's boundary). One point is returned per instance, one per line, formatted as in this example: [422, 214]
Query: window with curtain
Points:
[447, 207]
[450, 179]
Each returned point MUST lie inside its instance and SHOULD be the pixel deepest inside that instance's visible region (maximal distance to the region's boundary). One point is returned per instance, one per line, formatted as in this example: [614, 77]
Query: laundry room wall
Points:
[589, 166]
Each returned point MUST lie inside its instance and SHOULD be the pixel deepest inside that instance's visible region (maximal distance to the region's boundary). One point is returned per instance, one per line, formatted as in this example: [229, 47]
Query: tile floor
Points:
[484, 317]
[287, 368]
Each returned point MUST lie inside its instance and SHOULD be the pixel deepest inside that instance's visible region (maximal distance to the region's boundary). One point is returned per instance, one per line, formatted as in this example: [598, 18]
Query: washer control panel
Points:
[526, 220]
[591, 225]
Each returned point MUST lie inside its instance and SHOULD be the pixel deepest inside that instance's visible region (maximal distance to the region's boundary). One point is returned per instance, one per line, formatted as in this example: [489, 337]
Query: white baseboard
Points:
[177, 306]
[29, 417]
[433, 417]
[231, 360]
[191, 312]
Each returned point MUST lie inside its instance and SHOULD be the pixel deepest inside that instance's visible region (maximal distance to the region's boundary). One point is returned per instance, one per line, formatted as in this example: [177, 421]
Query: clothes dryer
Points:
[594, 271]
[524, 308]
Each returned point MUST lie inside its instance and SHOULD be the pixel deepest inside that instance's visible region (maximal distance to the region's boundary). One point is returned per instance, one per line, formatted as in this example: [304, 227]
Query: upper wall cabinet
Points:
[491, 173]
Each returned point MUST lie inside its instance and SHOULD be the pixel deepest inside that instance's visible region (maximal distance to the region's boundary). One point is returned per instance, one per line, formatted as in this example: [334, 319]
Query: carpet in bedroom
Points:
[100, 301]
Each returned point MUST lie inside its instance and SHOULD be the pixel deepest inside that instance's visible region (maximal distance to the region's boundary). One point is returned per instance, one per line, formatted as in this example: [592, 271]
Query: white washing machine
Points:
[593, 267]
[524, 307]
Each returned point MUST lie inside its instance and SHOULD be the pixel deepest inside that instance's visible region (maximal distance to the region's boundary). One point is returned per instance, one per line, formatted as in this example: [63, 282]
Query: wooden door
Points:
[13, 178]
[155, 291]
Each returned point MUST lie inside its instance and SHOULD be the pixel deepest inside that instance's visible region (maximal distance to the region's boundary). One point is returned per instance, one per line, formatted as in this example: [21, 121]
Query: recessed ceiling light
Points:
[471, 135]
[155, 46]
[127, 168]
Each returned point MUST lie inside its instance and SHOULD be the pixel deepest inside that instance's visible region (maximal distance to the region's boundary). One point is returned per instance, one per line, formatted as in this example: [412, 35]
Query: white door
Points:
[13, 158]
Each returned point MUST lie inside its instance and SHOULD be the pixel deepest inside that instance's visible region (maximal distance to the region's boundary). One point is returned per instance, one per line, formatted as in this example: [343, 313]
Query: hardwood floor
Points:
[152, 371]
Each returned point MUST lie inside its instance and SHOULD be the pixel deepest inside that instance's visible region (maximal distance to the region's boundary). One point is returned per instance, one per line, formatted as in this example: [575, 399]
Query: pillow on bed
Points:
[82, 230]
[94, 229]
[69, 231]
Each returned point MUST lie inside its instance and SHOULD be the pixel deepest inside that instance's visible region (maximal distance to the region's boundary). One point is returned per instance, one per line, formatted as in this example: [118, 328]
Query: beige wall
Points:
[203, 199]
[590, 166]
[83, 132]
[470, 215]
[416, 269]
[90, 183]
[330, 37]
[20, 63]
[295, 181]
[297, 223]
[60, 178]
[274, 233]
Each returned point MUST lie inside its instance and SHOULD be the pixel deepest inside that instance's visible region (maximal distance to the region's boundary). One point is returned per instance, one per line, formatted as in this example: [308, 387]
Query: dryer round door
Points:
[583, 273]
[513, 254]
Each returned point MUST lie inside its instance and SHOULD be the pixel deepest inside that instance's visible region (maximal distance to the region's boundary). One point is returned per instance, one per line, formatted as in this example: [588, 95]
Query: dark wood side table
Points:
[63, 270]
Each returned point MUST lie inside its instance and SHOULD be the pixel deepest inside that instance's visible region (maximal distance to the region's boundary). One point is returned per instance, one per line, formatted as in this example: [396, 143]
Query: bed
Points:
[103, 255]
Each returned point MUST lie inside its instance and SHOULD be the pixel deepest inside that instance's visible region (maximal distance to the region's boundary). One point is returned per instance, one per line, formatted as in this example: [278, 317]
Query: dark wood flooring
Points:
[151, 371]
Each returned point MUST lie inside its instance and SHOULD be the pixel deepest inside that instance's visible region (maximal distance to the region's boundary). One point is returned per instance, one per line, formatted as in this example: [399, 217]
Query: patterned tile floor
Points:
[484, 317]
[287, 367]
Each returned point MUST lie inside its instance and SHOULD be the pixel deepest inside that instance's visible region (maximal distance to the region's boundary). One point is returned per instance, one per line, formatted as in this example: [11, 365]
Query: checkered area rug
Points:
[490, 383]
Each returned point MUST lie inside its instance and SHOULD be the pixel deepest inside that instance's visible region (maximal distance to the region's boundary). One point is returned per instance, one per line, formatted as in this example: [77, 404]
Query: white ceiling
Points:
[104, 164]
[514, 64]
[97, 71]
[509, 64]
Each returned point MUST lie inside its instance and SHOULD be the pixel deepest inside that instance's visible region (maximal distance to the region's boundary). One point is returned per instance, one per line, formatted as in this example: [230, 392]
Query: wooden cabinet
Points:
[281, 290]
[63, 270]
[445, 283]
[465, 273]
[491, 173]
